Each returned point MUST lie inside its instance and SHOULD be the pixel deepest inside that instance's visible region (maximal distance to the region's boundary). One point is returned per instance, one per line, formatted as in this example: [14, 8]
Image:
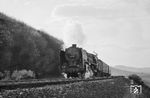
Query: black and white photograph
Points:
[74, 48]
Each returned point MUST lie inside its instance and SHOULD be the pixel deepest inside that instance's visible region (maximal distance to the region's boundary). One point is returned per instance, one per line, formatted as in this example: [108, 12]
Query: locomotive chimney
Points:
[74, 45]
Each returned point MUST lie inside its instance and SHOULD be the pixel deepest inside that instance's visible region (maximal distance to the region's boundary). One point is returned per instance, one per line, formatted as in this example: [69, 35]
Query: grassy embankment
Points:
[112, 88]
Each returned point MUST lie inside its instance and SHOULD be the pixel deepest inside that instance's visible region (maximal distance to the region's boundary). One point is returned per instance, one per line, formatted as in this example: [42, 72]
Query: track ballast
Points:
[10, 85]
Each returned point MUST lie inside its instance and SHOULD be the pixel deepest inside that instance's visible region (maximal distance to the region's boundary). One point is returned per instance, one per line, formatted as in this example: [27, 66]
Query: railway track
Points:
[10, 85]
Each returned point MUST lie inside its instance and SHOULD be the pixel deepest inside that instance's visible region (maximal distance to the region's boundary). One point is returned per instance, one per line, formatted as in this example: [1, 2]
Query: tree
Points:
[136, 78]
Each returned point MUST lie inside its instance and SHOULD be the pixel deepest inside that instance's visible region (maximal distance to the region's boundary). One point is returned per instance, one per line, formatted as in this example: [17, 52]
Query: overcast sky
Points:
[118, 30]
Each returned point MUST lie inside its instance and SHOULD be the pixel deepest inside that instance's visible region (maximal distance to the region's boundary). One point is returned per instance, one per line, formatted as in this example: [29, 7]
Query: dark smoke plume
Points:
[23, 47]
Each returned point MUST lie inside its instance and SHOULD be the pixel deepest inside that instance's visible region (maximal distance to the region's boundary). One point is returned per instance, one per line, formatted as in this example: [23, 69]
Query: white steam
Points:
[73, 34]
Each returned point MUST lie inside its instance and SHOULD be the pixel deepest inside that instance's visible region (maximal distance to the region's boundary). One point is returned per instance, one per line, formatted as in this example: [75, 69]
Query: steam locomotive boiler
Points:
[77, 62]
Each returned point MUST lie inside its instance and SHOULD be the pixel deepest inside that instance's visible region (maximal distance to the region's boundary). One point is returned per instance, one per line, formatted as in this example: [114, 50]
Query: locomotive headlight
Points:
[72, 57]
[63, 66]
[78, 65]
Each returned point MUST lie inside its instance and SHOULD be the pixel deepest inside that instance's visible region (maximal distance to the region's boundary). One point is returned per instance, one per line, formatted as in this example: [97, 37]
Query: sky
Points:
[117, 30]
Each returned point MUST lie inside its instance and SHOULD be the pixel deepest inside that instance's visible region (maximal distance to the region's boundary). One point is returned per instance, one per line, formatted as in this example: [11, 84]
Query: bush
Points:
[136, 78]
[22, 74]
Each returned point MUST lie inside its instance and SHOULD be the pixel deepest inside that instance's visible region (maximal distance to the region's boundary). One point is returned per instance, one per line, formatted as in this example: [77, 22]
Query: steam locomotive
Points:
[77, 62]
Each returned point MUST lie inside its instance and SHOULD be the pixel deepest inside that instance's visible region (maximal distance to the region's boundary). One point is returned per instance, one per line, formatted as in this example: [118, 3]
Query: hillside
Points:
[126, 71]
[134, 69]
[23, 47]
[117, 72]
